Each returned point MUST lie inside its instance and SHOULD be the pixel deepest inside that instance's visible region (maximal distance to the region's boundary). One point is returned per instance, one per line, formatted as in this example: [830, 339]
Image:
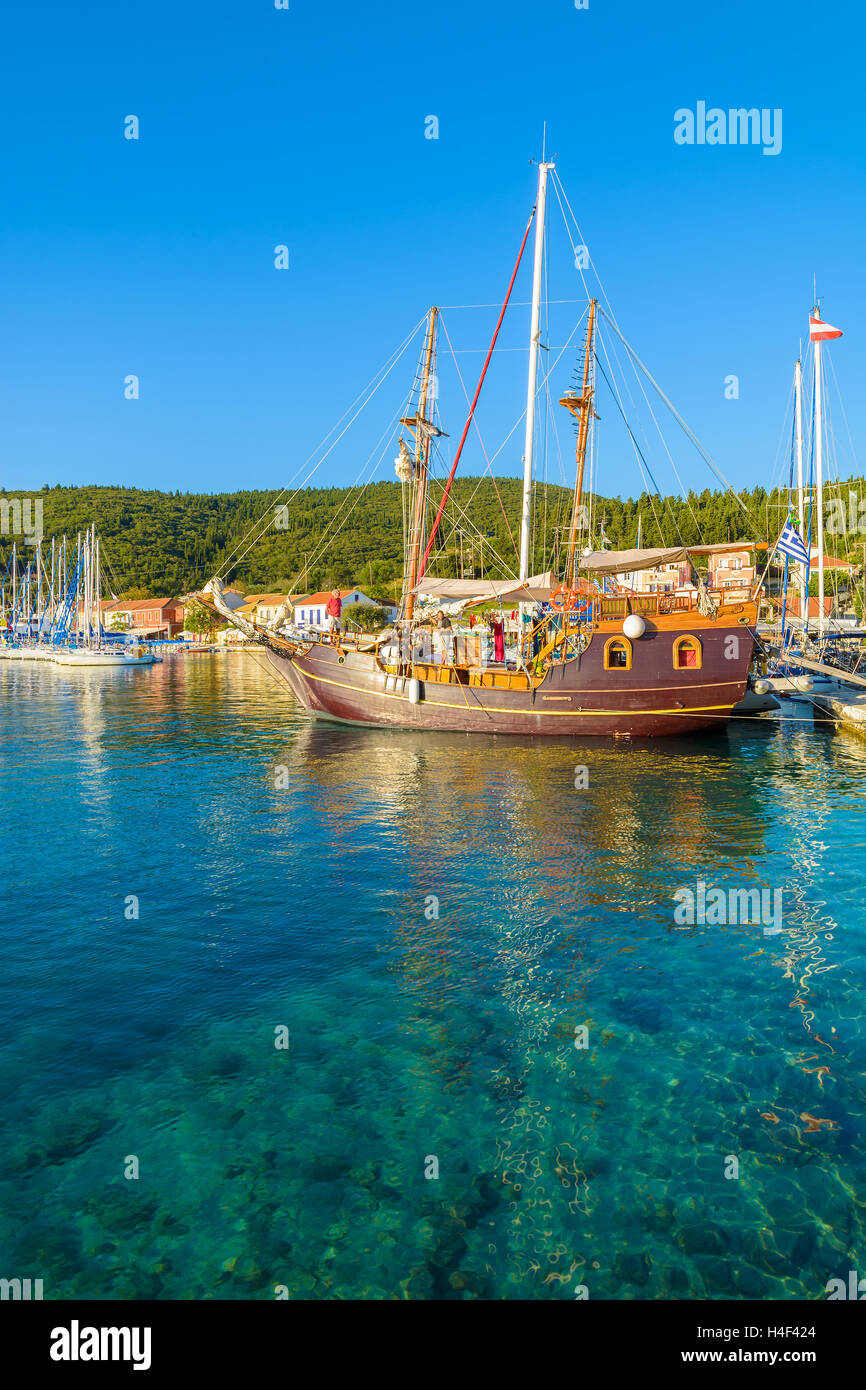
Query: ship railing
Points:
[645, 605]
[555, 629]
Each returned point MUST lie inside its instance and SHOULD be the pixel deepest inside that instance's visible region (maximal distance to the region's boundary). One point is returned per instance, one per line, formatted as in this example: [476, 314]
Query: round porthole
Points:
[340, 660]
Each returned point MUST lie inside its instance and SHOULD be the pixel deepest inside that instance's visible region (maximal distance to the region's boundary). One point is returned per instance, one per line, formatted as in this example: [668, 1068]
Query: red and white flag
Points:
[819, 332]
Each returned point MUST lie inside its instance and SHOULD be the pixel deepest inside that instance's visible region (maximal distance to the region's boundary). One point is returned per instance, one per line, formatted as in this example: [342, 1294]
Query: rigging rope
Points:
[232, 559]
[432, 535]
[480, 438]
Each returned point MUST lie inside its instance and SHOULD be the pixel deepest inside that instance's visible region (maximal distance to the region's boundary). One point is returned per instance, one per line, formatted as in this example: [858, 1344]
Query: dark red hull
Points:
[651, 699]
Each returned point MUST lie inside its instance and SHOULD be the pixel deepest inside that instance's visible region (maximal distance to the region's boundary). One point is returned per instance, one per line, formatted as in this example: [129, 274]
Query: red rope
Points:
[469, 417]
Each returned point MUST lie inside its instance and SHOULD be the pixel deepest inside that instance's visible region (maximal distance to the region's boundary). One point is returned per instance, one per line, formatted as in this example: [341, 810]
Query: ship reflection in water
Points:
[436, 919]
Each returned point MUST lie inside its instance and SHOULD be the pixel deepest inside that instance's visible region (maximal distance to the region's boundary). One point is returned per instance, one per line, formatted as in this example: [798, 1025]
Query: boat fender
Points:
[761, 686]
[390, 684]
[803, 682]
[414, 691]
[634, 627]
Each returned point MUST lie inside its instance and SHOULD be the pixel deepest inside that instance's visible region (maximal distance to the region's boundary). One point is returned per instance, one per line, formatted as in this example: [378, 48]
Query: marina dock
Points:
[848, 706]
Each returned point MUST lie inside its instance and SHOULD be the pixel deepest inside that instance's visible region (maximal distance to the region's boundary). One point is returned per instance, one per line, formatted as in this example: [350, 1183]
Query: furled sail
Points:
[536, 589]
[628, 561]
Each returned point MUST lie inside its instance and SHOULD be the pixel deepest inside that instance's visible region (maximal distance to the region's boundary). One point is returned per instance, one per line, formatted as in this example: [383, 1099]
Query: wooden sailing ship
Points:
[589, 663]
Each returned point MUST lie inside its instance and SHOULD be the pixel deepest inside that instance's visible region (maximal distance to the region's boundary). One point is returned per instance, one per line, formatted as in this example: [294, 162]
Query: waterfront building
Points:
[311, 611]
[146, 617]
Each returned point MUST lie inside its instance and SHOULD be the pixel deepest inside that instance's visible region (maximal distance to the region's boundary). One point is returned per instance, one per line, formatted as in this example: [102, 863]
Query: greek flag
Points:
[790, 543]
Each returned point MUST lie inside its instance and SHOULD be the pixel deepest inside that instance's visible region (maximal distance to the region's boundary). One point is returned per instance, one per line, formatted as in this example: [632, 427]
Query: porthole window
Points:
[687, 654]
[617, 654]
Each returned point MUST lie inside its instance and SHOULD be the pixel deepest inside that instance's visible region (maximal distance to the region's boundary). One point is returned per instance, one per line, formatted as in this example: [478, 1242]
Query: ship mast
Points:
[801, 510]
[529, 442]
[819, 479]
[423, 430]
[581, 407]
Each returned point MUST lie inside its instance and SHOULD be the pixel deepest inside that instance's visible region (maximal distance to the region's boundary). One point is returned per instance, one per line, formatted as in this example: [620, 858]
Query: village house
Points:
[675, 578]
[232, 598]
[262, 609]
[831, 563]
[311, 612]
[732, 571]
[145, 617]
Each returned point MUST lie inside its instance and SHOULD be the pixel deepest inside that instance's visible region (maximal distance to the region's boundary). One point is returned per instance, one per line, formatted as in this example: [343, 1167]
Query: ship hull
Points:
[580, 697]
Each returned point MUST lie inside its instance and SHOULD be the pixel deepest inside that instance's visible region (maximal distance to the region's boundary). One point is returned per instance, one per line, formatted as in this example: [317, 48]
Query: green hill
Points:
[170, 542]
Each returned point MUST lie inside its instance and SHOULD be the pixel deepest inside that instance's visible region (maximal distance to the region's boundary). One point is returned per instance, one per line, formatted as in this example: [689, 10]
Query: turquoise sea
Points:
[431, 919]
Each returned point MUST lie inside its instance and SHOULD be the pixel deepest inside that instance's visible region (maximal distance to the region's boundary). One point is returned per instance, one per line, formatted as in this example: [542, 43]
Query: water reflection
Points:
[433, 917]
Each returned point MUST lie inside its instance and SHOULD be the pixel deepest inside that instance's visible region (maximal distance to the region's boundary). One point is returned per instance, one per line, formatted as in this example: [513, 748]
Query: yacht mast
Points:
[819, 482]
[96, 587]
[801, 514]
[526, 512]
[80, 609]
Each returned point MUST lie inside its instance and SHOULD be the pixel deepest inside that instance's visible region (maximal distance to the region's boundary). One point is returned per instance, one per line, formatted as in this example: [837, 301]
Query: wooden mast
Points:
[581, 407]
[420, 425]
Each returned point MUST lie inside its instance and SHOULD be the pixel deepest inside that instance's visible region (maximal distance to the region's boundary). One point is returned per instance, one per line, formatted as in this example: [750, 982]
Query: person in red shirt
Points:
[334, 610]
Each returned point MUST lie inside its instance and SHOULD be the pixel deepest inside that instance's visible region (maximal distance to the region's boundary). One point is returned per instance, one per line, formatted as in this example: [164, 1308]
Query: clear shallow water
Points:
[413, 1035]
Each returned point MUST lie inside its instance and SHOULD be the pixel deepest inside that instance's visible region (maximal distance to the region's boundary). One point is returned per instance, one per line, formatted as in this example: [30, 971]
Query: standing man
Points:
[537, 619]
[444, 631]
[334, 611]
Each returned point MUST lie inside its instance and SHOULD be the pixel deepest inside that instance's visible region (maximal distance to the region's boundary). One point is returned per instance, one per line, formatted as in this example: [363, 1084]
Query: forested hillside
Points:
[168, 543]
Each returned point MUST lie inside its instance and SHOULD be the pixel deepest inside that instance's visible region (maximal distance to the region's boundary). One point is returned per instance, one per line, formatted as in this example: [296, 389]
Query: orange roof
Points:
[325, 595]
[264, 598]
[831, 563]
[139, 605]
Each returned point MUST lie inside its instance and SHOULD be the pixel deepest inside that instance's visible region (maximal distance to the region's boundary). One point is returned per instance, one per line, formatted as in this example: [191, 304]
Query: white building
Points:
[311, 612]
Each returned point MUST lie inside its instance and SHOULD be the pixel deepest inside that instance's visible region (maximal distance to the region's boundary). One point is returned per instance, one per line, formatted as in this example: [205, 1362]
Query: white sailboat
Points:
[93, 650]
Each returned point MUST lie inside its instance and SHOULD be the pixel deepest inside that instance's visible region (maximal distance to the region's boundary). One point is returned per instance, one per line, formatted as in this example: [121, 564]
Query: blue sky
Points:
[307, 127]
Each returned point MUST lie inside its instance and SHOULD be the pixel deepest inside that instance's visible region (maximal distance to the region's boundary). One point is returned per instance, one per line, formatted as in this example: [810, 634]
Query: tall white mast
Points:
[79, 591]
[88, 590]
[525, 516]
[85, 560]
[819, 484]
[798, 407]
[96, 586]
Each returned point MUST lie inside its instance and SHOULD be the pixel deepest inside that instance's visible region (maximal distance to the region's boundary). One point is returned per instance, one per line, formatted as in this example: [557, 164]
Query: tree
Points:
[200, 620]
[367, 617]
